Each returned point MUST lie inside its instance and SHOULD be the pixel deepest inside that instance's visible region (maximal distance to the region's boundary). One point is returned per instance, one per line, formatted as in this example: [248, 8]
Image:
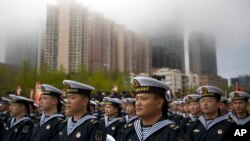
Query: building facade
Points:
[214, 80]
[172, 77]
[168, 51]
[242, 80]
[79, 39]
[202, 53]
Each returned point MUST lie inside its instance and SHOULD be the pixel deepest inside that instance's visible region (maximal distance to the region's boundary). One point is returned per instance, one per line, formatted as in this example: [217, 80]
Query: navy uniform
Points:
[98, 113]
[87, 128]
[34, 115]
[240, 123]
[133, 118]
[1, 130]
[209, 129]
[114, 125]
[92, 109]
[47, 127]
[5, 115]
[177, 116]
[191, 118]
[161, 130]
[18, 130]
[225, 112]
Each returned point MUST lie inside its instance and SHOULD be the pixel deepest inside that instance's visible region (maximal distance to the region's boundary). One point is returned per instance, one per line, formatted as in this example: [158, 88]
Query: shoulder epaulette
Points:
[60, 119]
[93, 121]
[174, 126]
[230, 120]
[128, 125]
[121, 120]
[63, 121]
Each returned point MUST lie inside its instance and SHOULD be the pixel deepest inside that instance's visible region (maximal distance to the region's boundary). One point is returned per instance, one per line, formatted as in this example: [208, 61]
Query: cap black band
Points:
[150, 89]
[78, 91]
[20, 101]
[194, 100]
[240, 98]
[210, 94]
[112, 103]
[51, 94]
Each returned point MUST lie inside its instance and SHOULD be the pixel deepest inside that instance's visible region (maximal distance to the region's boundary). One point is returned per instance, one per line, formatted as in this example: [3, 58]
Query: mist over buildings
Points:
[227, 20]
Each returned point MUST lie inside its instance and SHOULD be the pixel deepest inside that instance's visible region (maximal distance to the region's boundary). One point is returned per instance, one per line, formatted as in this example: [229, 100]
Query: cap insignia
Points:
[204, 90]
[236, 94]
[136, 83]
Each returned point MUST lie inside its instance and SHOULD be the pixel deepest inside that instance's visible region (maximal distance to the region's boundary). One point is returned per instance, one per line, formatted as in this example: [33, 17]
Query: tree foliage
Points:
[26, 77]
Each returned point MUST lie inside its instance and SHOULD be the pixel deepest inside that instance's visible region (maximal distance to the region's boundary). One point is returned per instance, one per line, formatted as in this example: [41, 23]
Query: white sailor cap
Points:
[193, 98]
[124, 101]
[63, 101]
[185, 99]
[93, 103]
[102, 103]
[180, 102]
[112, 101]
[239, 95]
[35, 105]
[51, 90]
[175, 102]
[20, 99]
[130, 100]
[224, 100]
[74, 87]
[97, 102]
[209, 91]
[149, 85]
[4, 100]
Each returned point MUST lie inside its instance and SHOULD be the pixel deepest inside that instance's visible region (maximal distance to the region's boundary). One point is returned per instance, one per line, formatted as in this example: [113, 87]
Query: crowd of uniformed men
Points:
[148, 116]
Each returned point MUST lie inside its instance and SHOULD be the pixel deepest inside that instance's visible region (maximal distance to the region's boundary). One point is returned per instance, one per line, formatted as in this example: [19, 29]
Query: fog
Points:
[227, 20]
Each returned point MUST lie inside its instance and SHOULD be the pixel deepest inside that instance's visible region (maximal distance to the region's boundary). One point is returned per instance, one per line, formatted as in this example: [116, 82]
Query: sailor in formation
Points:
[149, 114]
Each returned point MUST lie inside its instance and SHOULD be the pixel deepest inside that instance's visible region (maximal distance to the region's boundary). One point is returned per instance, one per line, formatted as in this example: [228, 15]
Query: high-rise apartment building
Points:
[25, 47]
[77, 38]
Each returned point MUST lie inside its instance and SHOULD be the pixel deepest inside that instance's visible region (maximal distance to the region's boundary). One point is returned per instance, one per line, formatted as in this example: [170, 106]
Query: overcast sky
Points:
[227, 20]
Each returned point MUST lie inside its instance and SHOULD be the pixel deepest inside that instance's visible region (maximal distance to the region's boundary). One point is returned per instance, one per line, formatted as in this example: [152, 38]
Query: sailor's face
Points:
[186, 108]
[76, 103]
[240, 106]
[209, 105]
[3, 107]
[146, 105]
[110, 110]
[46, 102]
[248, 107]
[130, 109]
[194, 107]
[223, 107]
[16, 109]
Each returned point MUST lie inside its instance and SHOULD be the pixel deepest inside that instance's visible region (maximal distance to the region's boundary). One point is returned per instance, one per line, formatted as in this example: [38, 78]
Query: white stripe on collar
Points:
[43, 120]
[13, 123]
[191, 116]
[107, 122]
[209, 124]
[71, 126]
[130, 119]
[157, 126]
[240, 121]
